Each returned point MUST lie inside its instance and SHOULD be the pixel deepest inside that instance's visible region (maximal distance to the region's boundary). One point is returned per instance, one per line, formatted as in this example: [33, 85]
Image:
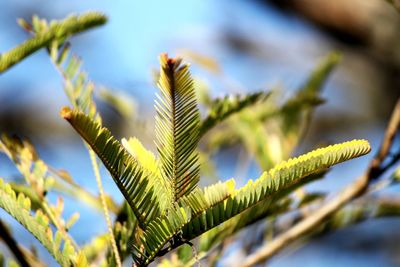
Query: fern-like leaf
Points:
[151, 167]
[159, 232]
[144, 157]
[177, 127]
[140, 191]
[18, 206]
[55, 31]
[76, 84]
[221, 109]
[274, 184]
[194, 204]
[200, 200]
[298, 110]
[227, 229]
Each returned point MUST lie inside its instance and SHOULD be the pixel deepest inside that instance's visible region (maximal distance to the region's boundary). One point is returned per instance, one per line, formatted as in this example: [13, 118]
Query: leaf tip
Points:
[169, 62]
[66, 113]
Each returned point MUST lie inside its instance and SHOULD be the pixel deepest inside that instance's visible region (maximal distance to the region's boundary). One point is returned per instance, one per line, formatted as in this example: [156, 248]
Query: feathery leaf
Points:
[76, 84]
[140, 191]
[194, 204]
[56, 31]
[151, 167]
[18, 206]
[221, 109]
[177, 127]
[159, 232]
[237, 223]
[274, 184]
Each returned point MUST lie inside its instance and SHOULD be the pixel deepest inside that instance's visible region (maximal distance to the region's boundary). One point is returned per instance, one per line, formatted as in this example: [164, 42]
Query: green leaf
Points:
[144, 157]
[177, 127]
[151, 167]
[38, 225]
[221, 109]
[139, 190]
[56, 31]
[297, 111]
[76, 84]
[194, 204]
[227, 229]
[270, 131]
[274, 184]
[200, 200]
[159, 232]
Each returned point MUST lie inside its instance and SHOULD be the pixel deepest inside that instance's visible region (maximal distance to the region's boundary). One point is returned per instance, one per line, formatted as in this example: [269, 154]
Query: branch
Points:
[354, 190]
[59, 30]
[12, 245]
[358, 211]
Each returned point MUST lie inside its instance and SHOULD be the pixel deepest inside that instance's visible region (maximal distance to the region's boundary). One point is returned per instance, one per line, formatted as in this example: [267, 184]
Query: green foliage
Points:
[275, 184]
[57, 31]
[165, 207]
[42, 178]
[76, 85]
[160, 231]
[19, 207]
[272, 130]
[255, 213]
[140, 191]
[221, 109]
[177, 127]
[192, 211]
[298, 110]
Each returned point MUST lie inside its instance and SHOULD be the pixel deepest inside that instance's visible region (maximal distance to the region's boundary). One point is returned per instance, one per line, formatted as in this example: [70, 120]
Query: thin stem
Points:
[104, 205]
[57, 223]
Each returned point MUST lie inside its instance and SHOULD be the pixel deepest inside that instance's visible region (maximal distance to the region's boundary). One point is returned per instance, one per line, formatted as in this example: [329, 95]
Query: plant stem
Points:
[104, 205]
[57, 223]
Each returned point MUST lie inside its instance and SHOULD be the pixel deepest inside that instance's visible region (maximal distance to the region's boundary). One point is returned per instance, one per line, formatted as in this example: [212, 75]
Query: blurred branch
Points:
[12, 245]
[350, 21]
[358, 211]
[364, 209]
[395, 3]
[357, 188]
[390, 133]
[58, 30]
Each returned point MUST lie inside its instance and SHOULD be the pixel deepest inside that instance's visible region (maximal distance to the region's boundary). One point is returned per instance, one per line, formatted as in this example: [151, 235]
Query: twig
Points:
[104, 205]
[351, 192]
[390, 133]
[57, 31]
[57, 223]
[12, 245]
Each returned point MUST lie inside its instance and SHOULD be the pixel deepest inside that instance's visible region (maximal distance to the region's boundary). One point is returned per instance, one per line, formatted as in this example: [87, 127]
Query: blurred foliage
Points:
[164, 207]
[55, 32]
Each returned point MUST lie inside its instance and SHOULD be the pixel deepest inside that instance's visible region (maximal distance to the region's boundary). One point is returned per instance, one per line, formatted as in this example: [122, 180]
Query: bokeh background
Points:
[254, 45]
